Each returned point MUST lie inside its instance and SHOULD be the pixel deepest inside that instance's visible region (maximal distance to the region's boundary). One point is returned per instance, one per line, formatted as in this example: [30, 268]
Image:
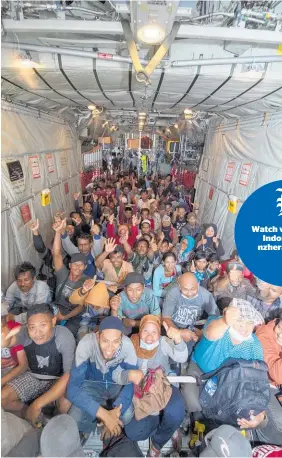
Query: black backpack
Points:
[237, 389]
[121, 446]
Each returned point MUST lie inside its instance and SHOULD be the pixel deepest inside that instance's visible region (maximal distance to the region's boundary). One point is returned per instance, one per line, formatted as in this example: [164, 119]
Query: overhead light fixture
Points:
[187, 111]
[176, 125]
[151, 34]
[91, 107]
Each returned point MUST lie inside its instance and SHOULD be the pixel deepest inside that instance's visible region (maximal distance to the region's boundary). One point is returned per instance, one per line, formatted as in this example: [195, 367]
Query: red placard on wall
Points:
[211, 193]
[25, 213]
[66, 188]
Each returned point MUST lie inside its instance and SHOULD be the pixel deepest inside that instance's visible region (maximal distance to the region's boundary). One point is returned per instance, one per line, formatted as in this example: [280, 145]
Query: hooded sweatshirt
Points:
[91, 365]
[272, 352]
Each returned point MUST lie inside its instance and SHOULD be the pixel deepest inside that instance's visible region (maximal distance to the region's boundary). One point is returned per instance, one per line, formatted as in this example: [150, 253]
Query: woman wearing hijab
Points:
[208, 240]
[154, 350]
[184, 248]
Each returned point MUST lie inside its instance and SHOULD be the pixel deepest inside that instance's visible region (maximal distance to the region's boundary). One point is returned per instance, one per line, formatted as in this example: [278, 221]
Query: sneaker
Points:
[153, 451]
[177, 441]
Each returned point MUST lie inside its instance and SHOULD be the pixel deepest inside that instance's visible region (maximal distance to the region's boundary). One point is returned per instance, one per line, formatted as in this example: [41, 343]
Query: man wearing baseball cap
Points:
[68, 281]
[101, 382]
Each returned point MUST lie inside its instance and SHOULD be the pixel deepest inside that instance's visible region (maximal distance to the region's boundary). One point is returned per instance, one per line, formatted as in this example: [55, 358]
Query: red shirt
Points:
[9, 358]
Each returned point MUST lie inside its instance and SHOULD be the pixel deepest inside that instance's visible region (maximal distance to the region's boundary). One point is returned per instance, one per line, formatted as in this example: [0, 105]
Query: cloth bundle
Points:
[152, 395]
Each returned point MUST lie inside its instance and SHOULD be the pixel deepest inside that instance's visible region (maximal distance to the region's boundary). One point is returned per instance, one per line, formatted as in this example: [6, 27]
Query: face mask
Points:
[237, 336]
[149, 347]
[189, 298]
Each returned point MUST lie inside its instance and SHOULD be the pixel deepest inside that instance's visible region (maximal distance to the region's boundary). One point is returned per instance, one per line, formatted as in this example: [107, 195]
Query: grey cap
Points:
[78, 257]
[60, 437]
[226, 441]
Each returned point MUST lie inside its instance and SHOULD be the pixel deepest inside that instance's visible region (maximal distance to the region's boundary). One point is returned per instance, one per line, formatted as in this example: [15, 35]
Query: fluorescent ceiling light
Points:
[187, 111]
[91, 107]
[151, 34]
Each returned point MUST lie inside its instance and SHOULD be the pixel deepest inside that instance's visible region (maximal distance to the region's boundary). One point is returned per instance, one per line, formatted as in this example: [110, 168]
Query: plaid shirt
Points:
[269, 312]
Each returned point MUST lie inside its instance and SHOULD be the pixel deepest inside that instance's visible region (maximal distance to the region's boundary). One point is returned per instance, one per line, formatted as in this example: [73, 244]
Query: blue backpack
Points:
[237, 389]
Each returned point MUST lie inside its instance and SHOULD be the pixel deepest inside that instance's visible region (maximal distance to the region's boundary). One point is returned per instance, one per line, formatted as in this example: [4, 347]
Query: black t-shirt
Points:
[65, 288]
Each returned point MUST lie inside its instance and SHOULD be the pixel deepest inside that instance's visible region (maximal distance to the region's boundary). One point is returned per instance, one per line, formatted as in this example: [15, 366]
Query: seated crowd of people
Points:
[132, 293]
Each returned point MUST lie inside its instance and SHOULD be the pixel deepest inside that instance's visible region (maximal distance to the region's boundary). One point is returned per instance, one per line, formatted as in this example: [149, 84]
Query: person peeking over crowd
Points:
[50, 353]
[184, 249]
[153, 351]
[224, 337]
[115, 268]
[123, 231]
[146, 228]
[98, 241]
[84, 246]
[165, 274]
[268, 300]
[142, 258]
[13, 357]
[198, 267]
[208, 240]
[179, 219]
[163, 247]
[134, 302]
[67, 281]
[235, 258]
[234, 285]
[104, 356]
[145, 216]
[96, 301]
[184, 304]
[26, 291]
[168, 230]
[192, 228]
[144, 200]
[213, 268]
[155, 214]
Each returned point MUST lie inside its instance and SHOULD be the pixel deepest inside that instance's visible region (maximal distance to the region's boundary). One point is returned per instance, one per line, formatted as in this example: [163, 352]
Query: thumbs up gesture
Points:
[193, 268]
[173, 333]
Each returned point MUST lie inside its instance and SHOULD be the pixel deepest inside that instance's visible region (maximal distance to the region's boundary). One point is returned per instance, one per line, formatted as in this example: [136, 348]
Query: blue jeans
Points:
[105, 395]
[159, 427]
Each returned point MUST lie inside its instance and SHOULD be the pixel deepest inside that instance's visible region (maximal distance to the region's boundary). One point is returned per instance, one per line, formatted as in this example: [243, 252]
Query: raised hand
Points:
[95, 197]
[215, 240]
[34, 226]
[76, 195]
[124, 239]
[87, 285]
[110, 245]
[173, 333]
[59, 226]
[193, 267]
[135, 221]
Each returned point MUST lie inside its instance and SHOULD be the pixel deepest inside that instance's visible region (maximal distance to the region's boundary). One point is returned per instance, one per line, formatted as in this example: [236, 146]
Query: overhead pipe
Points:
[55, 7]
[69, 52]
[115, 58]
[226, 61]
[209, 16]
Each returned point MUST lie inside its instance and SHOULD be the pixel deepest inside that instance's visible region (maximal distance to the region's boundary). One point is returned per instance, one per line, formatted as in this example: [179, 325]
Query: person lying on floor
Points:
[50, 353]
[134, 302]
[101, 381]
[153, 351]
[224, 337]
